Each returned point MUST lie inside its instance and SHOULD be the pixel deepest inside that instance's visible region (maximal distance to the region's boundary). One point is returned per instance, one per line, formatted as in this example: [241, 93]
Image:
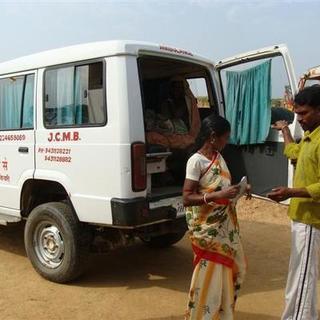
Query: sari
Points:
[219, 261]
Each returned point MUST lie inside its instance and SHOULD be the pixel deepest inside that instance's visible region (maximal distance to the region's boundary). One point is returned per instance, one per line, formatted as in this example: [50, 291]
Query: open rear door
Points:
[262, 161]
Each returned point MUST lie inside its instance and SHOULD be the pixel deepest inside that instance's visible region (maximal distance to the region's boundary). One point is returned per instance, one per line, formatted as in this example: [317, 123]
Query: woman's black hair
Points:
[213, 124]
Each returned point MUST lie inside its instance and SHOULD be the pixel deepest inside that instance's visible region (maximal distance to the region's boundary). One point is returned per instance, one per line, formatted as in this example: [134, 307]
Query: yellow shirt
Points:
[307, 175]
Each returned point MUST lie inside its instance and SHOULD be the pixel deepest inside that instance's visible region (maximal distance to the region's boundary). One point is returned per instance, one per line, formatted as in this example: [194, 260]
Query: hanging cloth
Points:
[248, 105]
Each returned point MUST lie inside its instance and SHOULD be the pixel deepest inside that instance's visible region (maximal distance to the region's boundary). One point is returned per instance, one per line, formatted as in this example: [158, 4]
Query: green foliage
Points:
[203, 102]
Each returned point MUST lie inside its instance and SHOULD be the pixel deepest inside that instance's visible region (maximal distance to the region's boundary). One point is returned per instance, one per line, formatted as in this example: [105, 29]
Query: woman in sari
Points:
[219, 262]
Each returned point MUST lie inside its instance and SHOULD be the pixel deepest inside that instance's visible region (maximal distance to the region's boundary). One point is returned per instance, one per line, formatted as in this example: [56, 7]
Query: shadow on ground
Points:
[11, 238]
[238, 316]
[266, 246]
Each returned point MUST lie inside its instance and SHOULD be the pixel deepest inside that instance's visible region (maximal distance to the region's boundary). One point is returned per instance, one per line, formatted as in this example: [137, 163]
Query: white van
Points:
[75, 161]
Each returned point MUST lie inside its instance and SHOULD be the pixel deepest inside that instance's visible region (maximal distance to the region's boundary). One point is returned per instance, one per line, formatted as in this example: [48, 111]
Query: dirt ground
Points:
[138, 283]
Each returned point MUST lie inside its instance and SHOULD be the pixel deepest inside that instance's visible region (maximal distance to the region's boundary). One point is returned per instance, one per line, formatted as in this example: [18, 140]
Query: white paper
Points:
[243, 189]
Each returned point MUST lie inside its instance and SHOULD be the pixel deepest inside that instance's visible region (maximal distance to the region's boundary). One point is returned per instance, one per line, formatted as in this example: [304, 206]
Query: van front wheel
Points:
[163, 241]
[55, 242]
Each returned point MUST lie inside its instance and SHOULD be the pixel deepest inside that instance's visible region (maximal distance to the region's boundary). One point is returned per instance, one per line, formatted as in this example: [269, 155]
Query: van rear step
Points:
[164, 192]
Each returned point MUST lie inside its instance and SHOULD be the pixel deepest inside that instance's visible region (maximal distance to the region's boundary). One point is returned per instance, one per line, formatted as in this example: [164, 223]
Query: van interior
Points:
[170, 89]
[175, 93]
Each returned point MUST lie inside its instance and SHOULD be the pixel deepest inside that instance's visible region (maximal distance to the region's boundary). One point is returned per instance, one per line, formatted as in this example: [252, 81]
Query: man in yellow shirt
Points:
[304, 210]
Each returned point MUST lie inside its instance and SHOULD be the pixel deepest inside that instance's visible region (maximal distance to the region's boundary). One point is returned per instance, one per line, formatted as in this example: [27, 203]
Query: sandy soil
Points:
[137, 283]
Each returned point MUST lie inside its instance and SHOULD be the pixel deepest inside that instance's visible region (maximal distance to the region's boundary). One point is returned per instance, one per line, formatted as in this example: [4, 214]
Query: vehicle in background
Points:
[311, 77]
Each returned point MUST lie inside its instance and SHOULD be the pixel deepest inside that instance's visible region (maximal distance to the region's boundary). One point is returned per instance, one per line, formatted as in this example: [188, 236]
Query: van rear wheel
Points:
[163, 241]
[56, 243]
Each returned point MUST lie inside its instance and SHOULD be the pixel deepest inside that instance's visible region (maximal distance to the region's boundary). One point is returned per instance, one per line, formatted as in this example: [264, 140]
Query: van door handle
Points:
[23, 149]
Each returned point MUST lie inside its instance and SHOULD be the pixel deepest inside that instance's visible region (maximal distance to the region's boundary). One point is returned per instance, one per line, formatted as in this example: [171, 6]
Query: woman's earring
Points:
[213, 141]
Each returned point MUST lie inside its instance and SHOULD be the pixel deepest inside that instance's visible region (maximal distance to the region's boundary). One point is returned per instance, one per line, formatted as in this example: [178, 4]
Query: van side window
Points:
[16, 102]
[74, 96]
[198, 87]
[28, 101]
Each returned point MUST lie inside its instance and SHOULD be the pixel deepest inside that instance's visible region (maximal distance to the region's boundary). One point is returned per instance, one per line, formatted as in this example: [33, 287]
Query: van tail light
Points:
[139, 170]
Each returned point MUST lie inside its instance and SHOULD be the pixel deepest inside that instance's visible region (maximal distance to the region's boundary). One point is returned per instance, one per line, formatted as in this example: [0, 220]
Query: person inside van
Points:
[175, 107]
[178, 122]
[181, 106]
[219, 261]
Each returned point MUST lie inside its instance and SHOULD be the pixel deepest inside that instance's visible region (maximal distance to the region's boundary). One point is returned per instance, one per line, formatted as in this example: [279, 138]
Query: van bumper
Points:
[135, 212]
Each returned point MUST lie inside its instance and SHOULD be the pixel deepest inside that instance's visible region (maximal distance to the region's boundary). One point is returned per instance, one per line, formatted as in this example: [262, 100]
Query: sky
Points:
[215, 29]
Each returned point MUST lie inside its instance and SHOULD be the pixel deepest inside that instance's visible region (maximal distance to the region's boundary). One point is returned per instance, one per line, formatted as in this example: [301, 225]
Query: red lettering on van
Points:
[57, 136]
[5, 164]
[64, 136]
[76, 136]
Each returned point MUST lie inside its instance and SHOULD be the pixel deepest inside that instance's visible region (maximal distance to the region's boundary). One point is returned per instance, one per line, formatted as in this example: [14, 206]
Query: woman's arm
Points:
[191, 197]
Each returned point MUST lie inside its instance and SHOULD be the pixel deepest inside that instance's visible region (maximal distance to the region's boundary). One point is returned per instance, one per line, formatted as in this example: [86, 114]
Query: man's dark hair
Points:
[309, 96]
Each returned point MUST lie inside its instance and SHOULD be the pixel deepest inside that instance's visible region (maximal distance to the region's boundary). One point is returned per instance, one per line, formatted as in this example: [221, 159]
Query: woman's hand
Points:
[228, 193]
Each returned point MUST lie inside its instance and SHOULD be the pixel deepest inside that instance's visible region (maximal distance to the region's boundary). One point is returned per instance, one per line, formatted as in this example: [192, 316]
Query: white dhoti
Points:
[301, 290]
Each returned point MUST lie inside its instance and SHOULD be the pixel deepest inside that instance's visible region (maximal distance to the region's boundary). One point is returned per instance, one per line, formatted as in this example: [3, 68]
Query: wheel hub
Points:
[49, 245]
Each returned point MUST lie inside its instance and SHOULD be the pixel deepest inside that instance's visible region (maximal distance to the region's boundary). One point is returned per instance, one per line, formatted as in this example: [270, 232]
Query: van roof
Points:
[94, 50]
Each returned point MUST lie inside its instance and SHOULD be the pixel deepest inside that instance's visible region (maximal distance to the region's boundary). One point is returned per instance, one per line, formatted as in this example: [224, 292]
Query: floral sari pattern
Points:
[218, 255]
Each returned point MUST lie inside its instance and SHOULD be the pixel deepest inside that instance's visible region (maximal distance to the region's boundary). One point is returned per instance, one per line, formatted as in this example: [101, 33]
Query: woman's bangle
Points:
[205, 198]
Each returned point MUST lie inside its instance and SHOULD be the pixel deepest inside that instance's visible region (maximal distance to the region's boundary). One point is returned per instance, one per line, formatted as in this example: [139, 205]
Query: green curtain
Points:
[66, 88]
[81, 86]
[28, 102]
[248, 105]
[11, 91]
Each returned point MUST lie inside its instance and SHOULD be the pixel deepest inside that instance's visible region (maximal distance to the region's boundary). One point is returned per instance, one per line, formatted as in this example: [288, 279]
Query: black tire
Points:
[163, 241]
[61, 258]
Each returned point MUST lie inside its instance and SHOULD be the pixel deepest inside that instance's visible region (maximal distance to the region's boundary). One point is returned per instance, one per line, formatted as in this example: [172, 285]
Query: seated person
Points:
[175, 106]
[179, 122]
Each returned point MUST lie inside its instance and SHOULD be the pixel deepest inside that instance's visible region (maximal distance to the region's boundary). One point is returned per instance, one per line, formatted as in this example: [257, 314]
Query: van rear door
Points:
[263, 163]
